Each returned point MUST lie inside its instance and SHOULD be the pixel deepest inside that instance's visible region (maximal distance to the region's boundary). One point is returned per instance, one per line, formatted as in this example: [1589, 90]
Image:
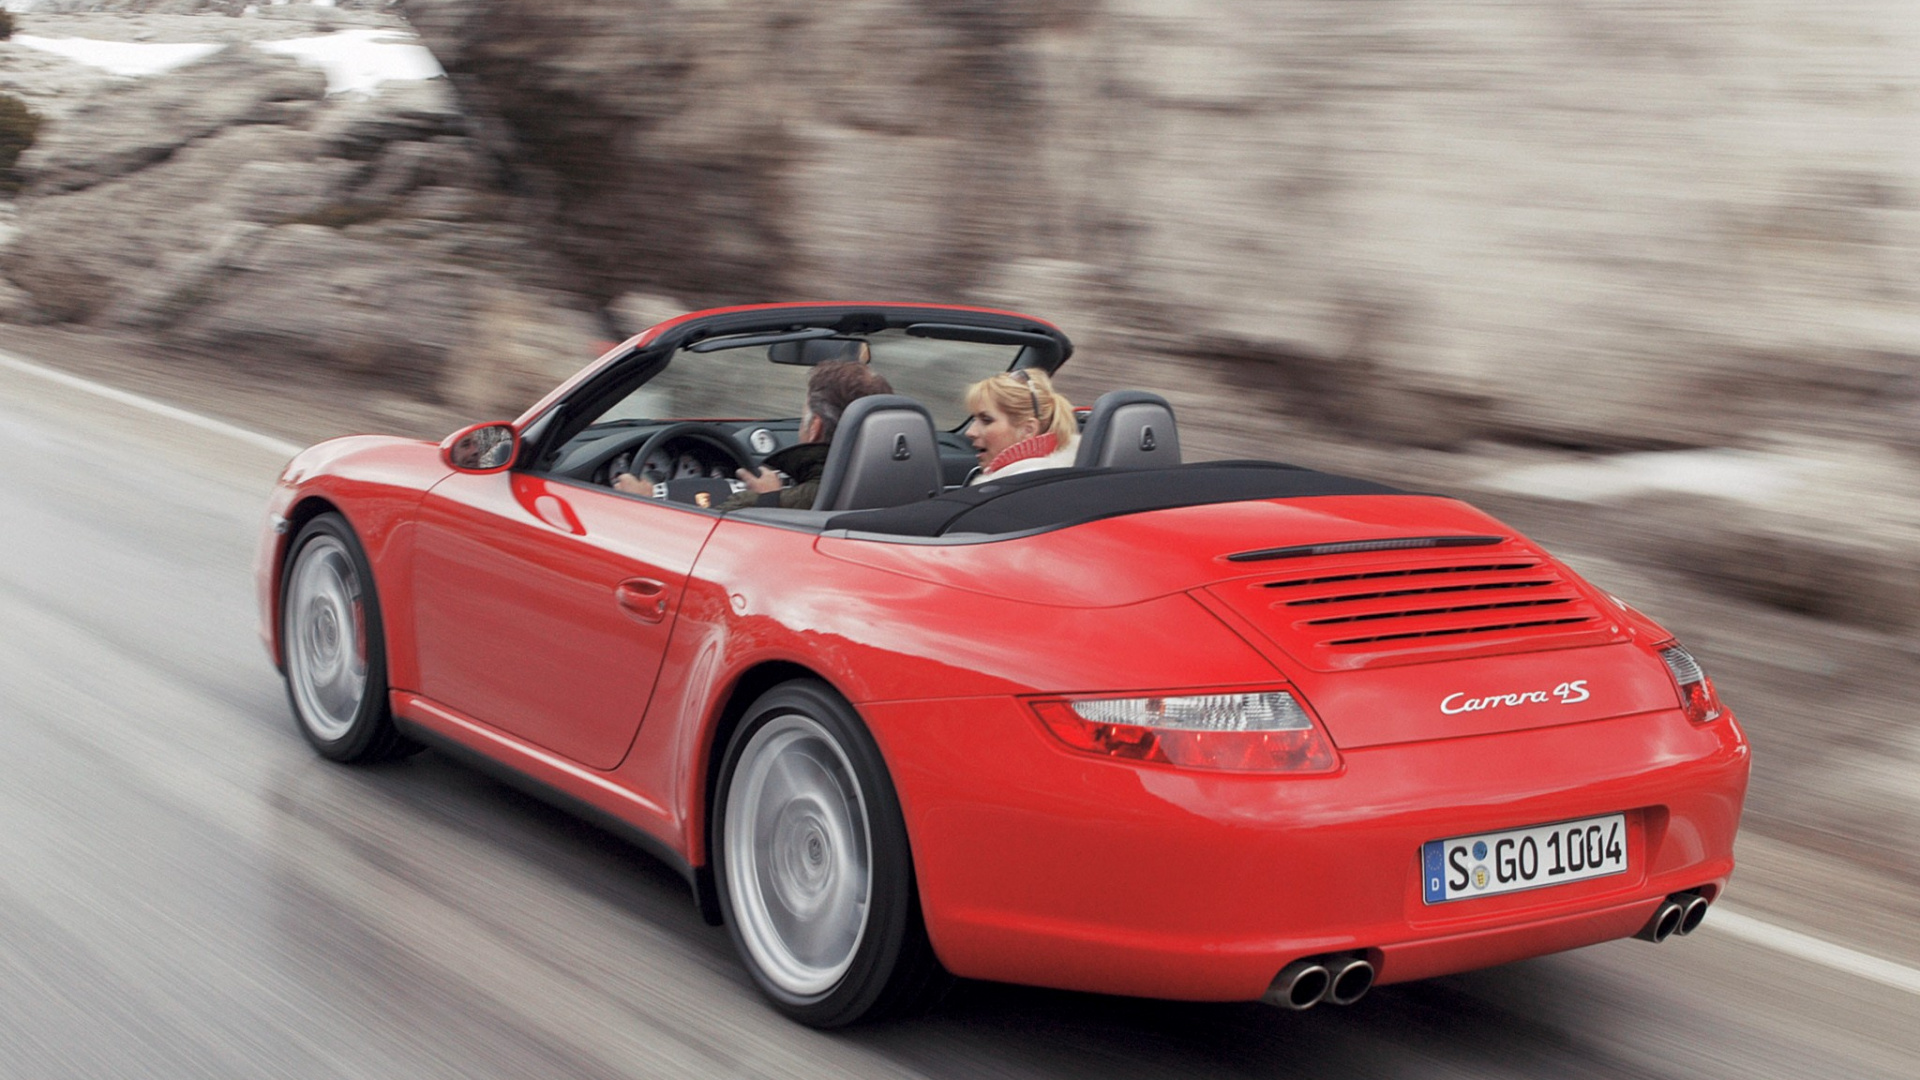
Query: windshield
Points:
[743, 383]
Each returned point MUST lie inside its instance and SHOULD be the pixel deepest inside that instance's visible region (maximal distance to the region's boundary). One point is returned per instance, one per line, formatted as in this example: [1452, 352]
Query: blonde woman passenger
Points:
[1020, 424]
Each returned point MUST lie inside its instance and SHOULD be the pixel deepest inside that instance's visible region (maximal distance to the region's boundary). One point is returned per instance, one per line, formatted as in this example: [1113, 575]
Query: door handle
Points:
[644, 598]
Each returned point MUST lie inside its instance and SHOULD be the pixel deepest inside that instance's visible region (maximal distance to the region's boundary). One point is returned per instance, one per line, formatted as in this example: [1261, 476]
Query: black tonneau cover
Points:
[1062, 497]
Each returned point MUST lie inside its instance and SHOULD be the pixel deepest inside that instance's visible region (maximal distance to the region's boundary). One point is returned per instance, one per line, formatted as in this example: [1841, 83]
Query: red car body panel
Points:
[514, 629]
[1064, 870]
[512, 619]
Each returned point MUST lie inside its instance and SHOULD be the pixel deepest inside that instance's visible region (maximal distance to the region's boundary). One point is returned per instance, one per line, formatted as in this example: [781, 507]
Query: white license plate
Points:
[1533, 857]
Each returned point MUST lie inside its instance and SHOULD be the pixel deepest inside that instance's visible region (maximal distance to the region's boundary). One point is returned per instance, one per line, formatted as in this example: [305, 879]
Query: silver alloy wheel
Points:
[326, 638]
[798, 856]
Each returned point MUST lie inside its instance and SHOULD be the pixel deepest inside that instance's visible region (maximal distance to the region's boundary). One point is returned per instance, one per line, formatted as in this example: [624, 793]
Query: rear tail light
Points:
[1254, 732]
[1697, 697]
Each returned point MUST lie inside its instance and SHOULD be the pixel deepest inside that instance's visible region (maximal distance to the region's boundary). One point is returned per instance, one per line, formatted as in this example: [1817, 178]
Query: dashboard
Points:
[677, 459]
[700, 450]
[662, 451]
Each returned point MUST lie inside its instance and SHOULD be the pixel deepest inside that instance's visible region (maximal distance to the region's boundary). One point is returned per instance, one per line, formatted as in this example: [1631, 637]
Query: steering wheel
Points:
[717, 437]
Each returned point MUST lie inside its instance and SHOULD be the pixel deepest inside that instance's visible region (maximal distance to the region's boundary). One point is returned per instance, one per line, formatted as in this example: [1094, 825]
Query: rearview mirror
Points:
[819, 351]
[481, 448]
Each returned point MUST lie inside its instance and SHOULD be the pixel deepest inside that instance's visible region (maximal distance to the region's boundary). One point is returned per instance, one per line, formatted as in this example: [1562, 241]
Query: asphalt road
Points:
[187, 891]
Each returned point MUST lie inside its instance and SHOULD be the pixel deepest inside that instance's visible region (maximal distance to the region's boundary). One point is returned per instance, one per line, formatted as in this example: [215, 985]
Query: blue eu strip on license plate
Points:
[1530, 857]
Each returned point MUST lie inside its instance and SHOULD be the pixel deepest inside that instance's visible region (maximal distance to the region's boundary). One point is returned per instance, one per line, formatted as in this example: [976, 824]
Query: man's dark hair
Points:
[837, 384]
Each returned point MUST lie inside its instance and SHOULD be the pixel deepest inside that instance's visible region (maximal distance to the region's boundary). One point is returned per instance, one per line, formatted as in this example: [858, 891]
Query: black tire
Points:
[786, 864]
[333, 646]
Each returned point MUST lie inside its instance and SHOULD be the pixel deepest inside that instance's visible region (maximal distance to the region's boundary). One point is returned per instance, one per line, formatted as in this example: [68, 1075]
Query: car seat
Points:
[883, 454]
[1129, 429]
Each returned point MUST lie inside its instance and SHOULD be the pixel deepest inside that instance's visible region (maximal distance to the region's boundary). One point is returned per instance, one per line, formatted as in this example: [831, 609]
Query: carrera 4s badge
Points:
[1568, 693]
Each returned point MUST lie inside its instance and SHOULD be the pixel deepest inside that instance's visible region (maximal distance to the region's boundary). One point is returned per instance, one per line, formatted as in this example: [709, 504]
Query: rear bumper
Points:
[1041, 865]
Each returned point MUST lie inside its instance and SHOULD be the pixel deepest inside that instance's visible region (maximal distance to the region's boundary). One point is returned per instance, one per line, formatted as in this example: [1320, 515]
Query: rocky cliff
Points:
[1478, 235]
[232, 206]
[1604, 223]
[1593, 225]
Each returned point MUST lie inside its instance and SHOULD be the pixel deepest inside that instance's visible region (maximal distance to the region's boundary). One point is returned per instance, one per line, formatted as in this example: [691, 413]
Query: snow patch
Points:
[357, 61]
[1745, 475]
[128, 58]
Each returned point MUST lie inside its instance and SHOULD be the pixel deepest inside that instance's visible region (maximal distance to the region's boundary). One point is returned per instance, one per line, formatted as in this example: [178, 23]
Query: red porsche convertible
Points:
[1221, 730]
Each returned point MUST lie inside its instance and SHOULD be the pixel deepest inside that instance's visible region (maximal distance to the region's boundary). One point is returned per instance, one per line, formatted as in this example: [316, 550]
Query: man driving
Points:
[831, 387]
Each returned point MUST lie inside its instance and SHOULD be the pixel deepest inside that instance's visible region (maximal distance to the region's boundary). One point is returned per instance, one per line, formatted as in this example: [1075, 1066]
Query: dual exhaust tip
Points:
[1677, 916]
[1345, 979]
[1339, 980]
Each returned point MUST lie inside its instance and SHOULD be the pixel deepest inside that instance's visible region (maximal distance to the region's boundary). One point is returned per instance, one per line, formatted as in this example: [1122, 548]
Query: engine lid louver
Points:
[1353, 610]
[1354, 547]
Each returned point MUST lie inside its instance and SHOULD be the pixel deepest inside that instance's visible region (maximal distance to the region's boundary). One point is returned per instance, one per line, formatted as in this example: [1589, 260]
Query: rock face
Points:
[234, 208]
[1593, 227]
[1600, 225]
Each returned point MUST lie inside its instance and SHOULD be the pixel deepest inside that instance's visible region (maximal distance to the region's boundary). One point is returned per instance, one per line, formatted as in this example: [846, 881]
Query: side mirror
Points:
[481, 448]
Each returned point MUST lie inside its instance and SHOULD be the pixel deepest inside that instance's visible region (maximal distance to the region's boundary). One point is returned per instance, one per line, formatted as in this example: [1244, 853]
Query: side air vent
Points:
[1337, 619]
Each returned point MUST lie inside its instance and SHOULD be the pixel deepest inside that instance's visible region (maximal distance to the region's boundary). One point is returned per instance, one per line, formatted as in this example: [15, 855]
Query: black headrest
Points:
[883, 454]
[1129, 429]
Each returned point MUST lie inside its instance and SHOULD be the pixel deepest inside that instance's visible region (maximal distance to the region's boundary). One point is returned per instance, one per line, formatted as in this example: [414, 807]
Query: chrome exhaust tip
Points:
[1693, 908]
[1666, 919]
[1300, 985]
[1351, 981]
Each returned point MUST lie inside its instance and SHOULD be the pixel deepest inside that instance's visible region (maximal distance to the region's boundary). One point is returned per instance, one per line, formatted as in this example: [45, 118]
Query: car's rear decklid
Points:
[1402, 639]
[1488, 695]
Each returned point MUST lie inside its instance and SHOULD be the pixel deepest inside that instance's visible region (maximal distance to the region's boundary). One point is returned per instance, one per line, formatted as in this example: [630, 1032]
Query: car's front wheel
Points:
[333, 647]
[816, 879]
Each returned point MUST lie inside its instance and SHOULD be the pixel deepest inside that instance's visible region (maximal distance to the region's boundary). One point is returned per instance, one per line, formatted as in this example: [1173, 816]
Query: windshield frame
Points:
[582, 400]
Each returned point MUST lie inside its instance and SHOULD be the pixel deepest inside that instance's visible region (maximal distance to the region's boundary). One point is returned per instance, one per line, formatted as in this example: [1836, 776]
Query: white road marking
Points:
[1812, 949]
[1745, 927]
[147, 404]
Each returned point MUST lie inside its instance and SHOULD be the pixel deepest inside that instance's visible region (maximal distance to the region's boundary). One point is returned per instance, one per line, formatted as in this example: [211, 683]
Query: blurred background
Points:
[1641, 276]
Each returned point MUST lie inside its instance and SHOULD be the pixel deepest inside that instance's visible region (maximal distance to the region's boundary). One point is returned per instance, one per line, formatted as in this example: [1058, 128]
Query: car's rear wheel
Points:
[333, 645]
[816, 878]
